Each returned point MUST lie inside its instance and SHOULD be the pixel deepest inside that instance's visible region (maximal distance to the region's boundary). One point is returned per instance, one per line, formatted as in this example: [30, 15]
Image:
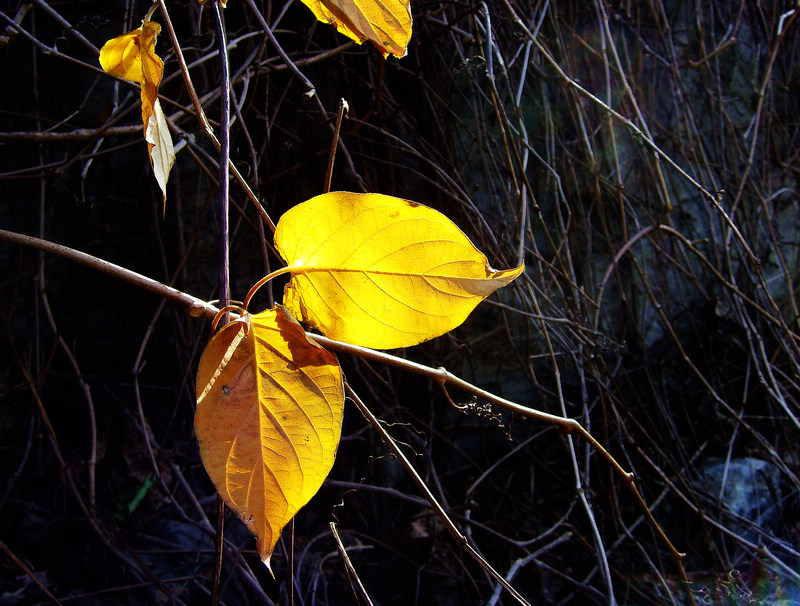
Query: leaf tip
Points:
[267, 564]
[506, 276]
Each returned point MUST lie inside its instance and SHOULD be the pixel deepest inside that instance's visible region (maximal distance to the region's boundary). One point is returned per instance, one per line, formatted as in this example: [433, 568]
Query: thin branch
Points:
[343, 109]
[197, 307]
[360, 594]
[201, 116]
[423, 487]
[224, 243]
[28, 572]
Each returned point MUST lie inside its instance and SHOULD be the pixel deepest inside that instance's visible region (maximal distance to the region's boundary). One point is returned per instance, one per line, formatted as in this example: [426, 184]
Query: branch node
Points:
[197, 309]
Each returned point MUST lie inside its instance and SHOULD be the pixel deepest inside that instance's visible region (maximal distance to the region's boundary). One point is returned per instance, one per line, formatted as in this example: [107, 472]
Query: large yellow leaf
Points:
[132, 56]
[385, 23]
[268, 420]
[379, 271]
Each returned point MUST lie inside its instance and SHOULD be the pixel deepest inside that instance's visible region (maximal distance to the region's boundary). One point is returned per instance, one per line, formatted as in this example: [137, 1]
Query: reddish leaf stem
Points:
[261, 282]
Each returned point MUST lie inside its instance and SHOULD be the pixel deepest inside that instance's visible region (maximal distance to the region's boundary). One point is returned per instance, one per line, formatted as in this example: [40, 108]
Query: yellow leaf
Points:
[152, 68]
[122, 56]
[385, 23]
[268, 420]
[379, 271]
[132, 56]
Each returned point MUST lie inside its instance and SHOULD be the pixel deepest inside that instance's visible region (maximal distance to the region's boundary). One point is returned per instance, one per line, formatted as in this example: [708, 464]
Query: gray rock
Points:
[747, 487]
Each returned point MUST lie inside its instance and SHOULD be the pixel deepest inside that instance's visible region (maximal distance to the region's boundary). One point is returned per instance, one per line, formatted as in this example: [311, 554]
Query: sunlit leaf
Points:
[268, 420]
[379, 271]
[385, 23]
[122, 56]
[159, 144]
[132, 56]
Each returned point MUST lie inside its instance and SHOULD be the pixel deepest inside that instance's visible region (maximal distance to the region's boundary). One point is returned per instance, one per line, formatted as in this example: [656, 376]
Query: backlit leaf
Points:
[268, 420]
[385, 23]
[132, 56]
[159, 144]
[379, 271]
[122, 57]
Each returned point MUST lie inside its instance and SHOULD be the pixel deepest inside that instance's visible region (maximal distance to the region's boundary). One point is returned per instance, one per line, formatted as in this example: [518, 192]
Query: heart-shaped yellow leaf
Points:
[385, 23]
[379, 271]
[132, 56]
[268, 420]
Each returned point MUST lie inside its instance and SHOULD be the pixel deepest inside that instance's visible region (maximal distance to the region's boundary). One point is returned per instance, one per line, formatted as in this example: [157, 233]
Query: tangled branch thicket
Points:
[641, 158]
